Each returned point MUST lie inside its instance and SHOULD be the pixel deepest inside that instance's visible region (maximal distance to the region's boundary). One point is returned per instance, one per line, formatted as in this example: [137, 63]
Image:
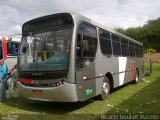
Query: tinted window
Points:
[131, 48]
[89, 46]
[116, 45]
[125, 50]
[105, 42]
[132, 51]
[86, 45]
[87, 29]
[47, 24]
[115, 38]
[104, 34]
[141, 51]
[137, 52]
[124, 41]
[137, 46]
[131, 43]
[124, 47]
[116, 48]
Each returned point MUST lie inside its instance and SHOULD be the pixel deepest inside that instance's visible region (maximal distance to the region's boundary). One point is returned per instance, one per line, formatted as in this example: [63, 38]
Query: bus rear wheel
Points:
[105, 88]
[136, 77]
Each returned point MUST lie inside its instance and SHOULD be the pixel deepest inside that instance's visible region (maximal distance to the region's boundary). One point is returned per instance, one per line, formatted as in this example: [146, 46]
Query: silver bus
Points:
[67, 57]
[9, 50]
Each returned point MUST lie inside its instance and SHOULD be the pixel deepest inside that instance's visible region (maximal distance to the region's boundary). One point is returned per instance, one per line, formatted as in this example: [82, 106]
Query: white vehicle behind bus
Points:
[9, 50]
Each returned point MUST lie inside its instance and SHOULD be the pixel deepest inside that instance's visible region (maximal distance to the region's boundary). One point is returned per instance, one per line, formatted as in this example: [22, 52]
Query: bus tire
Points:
[105, 88]
[136, 77]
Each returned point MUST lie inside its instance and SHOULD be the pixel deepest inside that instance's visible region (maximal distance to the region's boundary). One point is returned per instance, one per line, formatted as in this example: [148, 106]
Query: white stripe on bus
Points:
[122, 67]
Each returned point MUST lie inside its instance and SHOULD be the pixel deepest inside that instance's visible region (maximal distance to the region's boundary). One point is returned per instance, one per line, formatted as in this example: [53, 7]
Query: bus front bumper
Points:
[64, 93]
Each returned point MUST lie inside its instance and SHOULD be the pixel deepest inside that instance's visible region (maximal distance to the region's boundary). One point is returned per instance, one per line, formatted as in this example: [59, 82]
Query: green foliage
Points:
[149, 34]
[141, 98]
[150, 51]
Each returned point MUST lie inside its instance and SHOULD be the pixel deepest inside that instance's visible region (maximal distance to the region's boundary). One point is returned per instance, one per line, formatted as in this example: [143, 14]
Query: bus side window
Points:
[82, 47]
[131, 49]
[105, 42]
[116, 45]
[86, 50]
[124, 47]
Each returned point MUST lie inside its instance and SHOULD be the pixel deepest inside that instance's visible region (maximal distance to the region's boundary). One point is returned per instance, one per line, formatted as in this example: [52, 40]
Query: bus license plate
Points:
[37, 92]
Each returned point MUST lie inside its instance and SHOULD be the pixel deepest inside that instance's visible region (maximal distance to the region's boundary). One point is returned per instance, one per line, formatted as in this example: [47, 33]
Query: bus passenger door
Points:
[85, 65]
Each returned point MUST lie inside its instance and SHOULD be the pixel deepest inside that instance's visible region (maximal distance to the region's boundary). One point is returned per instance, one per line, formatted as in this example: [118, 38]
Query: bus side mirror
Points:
[24, 49]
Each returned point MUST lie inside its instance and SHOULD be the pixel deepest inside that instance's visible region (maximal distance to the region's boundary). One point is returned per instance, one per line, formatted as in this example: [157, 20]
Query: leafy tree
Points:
[150, 51]
[148, 34]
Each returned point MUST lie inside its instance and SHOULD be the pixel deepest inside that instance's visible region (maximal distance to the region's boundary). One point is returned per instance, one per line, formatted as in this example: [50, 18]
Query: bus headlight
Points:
[56, 84]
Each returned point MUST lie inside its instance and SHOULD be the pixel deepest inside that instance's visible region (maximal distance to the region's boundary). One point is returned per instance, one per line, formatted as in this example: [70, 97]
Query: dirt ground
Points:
[154, 57]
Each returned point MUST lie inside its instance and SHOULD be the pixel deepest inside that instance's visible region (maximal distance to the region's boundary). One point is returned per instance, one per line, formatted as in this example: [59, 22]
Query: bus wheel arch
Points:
[110, 77]
[107, 85]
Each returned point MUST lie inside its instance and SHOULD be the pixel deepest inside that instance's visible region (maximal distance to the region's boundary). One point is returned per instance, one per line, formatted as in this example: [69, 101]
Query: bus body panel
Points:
[86, 79]
[119, 67]
[121, 70]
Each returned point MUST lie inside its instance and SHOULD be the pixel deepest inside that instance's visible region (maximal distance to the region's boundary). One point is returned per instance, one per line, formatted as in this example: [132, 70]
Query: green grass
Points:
[141, 98]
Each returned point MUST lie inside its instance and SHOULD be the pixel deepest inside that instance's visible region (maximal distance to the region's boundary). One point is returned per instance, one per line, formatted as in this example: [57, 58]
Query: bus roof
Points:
[78, 18]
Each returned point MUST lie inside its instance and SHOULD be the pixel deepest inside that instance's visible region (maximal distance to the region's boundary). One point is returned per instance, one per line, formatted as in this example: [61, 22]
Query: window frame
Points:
[131, 45]
[82, 34]
[106, 52]
[125, 43]
[116, 41]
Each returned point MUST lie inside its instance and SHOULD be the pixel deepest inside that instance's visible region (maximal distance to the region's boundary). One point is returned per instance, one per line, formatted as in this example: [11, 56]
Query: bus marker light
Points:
[80, 87]
[101, 75]
[85, 78]
[37, 92]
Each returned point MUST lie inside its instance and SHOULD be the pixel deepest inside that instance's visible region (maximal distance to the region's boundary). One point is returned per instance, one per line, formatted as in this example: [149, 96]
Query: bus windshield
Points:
[45, 50]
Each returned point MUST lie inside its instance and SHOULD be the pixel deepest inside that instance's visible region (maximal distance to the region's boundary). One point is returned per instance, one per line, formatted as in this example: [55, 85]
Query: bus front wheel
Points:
[105, 88]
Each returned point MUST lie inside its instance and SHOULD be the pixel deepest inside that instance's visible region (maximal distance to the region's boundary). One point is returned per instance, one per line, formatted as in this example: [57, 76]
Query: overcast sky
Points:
[111, 13]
